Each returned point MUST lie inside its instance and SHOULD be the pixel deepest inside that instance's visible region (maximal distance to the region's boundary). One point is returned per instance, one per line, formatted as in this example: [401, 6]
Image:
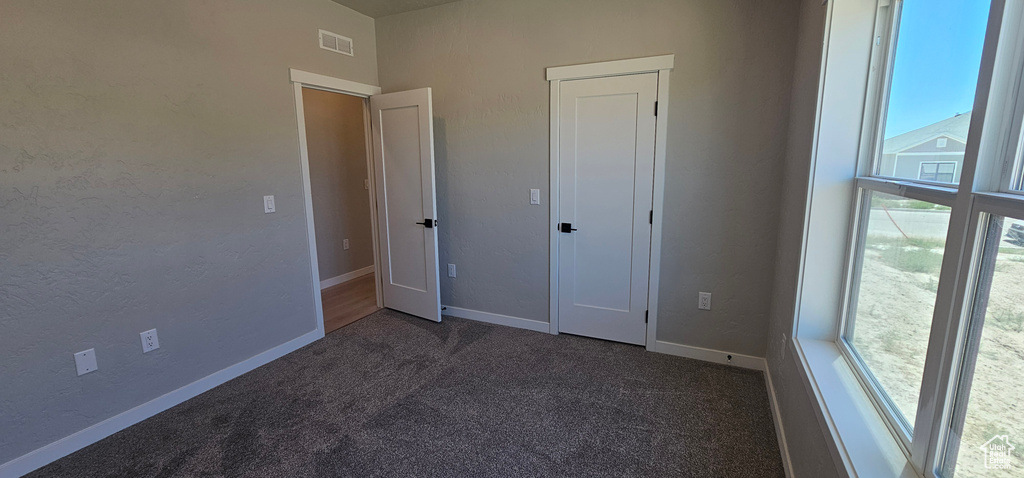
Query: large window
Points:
[915, 229]
[928, 57]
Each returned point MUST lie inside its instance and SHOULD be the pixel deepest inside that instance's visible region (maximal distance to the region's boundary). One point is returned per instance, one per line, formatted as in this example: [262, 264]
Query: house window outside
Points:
[941, 142]
[937, 171]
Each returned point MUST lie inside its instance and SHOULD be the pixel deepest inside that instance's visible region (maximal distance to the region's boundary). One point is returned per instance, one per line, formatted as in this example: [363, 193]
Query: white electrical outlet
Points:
[268, 205]
[704, 301]
[85, 361]
[451, 270]
[535, 196]
[150, 342]
[344, 244]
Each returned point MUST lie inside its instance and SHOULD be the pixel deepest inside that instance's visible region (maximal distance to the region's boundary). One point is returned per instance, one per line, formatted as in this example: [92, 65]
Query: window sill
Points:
[861, 439]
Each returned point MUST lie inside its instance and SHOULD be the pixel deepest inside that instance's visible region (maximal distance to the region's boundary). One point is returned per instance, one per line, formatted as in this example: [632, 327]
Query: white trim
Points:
[498, 319]
[780, 432]
[710, 355]
[307, 196]
[333, 281]
[76, 441]
[658, 208]
[612, 68]
[553, 212]
[314, 80]
[662, 65]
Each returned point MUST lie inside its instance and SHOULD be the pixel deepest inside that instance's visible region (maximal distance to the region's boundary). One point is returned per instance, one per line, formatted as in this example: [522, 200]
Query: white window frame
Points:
[848, 410]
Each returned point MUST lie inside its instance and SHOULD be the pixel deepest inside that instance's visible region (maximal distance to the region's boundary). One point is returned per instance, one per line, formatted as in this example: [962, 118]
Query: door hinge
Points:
[655, 108]
[646, 314]
[650, 220]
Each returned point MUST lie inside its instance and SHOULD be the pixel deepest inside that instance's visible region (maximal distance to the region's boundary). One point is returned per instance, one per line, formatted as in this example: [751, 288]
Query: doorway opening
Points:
[339, 173]
[398, 183]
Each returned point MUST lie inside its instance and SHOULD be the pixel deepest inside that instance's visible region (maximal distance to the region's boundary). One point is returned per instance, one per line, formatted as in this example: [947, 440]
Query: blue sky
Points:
[937, 59]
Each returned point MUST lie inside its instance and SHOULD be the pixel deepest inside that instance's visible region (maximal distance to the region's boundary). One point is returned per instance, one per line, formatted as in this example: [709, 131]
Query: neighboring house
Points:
[932, 153]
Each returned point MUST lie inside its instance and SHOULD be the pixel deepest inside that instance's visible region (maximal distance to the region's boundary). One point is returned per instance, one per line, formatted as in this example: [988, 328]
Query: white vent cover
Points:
[336, 43]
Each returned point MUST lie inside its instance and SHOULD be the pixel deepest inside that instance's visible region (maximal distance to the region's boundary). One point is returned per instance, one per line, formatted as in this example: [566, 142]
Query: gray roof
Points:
[955, 128]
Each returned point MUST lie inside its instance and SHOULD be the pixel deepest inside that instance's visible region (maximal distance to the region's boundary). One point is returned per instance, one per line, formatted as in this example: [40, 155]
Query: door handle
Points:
[566, 227]
[427, 223]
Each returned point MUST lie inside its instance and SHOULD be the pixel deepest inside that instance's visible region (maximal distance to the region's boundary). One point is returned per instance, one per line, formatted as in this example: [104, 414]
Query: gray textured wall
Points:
[137, 139]
[336, 141]
[807, 446]
[727, 133]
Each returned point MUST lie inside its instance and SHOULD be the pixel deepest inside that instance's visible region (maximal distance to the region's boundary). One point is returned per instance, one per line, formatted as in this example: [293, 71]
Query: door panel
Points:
[404, 174]
[606, 178]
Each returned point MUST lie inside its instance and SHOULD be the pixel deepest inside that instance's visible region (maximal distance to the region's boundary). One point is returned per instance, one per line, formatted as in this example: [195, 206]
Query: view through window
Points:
[988, 416]
[934, 76]
[923, 121]
[899, 275]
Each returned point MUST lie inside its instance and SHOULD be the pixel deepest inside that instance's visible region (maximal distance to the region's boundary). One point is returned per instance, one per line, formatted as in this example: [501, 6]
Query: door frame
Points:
[662, 65]
[303, 79]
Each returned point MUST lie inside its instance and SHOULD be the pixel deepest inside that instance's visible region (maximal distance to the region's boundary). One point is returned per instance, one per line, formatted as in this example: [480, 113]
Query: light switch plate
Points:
[85, 361]
[535, 196]
[344, 244]
[451, 270]
[268, 205]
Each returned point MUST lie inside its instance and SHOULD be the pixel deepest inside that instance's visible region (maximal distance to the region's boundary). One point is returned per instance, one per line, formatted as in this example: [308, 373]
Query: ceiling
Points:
[383, 8]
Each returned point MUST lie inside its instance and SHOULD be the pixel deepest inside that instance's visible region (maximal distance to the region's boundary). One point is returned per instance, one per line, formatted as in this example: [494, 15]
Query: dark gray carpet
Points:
[393, 395]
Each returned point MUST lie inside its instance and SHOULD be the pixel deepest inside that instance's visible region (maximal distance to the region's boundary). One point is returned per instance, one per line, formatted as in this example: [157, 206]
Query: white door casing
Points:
[606, 152]
[403, 146]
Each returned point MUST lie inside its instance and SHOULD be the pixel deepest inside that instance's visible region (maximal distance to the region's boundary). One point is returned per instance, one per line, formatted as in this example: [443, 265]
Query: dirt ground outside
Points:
[899, 281]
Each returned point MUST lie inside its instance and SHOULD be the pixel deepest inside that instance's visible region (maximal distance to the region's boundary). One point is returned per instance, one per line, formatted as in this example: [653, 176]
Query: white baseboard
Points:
[506, 320]
[709, 355]
[65, 446]
[780, 433]
[333, 281]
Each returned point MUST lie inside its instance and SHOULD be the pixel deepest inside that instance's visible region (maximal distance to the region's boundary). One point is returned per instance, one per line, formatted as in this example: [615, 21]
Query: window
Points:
[933, 61]
[936, 171]
[923, 93]
[929, 267]
[986, 416]
[899, 260]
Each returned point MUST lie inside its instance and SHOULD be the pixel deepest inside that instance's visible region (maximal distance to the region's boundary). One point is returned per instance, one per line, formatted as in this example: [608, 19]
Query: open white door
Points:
[403, 155]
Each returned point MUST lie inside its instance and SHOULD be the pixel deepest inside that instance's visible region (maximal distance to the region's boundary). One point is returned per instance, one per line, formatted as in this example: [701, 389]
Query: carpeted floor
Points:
[397, 396]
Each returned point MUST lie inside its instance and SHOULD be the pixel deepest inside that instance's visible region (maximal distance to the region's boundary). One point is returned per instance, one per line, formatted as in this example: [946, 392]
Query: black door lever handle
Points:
[428, 223]
[566, 227]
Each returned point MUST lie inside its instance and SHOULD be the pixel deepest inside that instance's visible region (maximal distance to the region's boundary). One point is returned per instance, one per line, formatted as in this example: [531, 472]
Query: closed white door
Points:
[606, 186]
[403, 147]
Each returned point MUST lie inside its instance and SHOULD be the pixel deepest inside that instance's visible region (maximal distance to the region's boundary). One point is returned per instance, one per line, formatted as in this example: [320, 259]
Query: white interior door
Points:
[403, 154]
[606, 186]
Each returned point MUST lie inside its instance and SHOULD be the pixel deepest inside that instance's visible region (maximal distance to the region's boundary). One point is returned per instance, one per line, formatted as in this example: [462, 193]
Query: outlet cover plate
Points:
[150, 341]
[704, 301]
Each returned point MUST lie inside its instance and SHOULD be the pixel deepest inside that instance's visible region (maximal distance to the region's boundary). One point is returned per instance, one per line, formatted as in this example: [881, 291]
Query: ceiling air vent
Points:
[336, 43]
